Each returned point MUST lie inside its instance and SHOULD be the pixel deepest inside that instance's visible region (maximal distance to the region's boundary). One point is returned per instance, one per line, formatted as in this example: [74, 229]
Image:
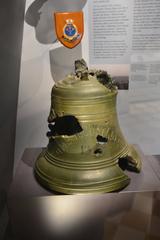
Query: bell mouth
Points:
[70, 178]
[74, 180]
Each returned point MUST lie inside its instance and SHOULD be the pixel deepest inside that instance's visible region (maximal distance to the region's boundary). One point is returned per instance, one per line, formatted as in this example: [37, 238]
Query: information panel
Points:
[110, 31]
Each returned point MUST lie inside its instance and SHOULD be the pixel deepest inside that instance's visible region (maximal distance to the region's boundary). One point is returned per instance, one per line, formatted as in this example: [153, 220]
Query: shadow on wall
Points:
[40, 16]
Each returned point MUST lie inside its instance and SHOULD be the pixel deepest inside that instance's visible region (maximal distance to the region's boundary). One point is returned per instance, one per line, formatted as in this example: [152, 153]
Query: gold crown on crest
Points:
[69, 21]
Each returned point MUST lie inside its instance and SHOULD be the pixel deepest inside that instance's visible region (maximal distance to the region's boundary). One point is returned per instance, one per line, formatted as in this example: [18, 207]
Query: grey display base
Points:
[36, 213]
[25, 184]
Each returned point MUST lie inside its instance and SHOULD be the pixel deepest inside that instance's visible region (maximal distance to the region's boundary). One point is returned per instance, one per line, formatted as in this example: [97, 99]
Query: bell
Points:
[87, 151]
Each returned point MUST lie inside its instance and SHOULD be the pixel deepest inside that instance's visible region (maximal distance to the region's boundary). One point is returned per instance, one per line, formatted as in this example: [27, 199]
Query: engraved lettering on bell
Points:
[87, 151]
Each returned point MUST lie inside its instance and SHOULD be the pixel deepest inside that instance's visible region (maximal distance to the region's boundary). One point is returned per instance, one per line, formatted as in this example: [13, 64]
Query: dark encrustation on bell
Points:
[81, 69]
[87, 152]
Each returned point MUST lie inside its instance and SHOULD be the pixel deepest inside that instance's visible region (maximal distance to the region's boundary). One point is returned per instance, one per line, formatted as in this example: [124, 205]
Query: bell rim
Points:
[99, 188]
[108, 184]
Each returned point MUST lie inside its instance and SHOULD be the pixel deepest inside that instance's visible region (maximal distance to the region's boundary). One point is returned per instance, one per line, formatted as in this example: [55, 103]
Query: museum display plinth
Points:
[28, 217]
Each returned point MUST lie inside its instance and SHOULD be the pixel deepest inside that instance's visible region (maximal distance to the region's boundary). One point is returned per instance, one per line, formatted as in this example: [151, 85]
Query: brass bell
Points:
[86, 149]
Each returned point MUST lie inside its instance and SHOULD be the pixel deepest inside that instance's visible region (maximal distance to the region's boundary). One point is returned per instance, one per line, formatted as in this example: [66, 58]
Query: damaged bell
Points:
[87, 151]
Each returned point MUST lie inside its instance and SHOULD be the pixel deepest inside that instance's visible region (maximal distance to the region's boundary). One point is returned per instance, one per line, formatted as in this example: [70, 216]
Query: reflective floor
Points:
[83, 217]
[140, 221]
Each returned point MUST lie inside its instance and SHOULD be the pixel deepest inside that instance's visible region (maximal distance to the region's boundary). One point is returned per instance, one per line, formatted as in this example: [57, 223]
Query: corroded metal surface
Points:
[87, 150]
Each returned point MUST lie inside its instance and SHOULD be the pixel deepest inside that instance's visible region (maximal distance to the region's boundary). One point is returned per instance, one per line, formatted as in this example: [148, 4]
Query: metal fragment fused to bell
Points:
[87, 151]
